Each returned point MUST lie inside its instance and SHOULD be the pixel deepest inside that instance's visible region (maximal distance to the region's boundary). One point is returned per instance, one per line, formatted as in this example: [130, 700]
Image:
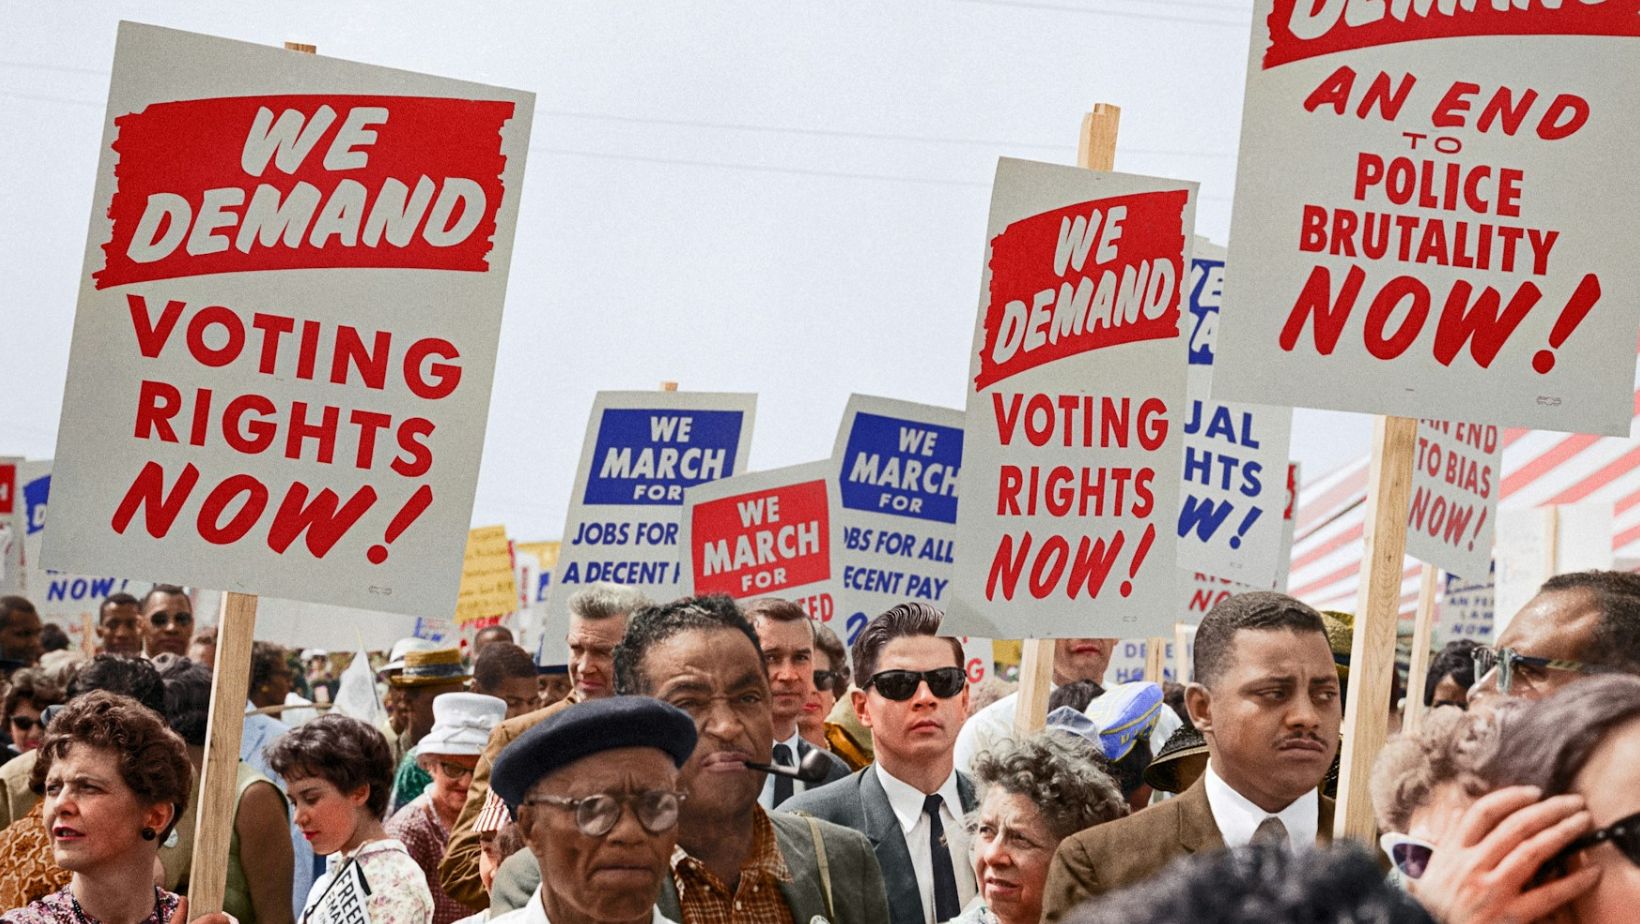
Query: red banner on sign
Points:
[762, 542]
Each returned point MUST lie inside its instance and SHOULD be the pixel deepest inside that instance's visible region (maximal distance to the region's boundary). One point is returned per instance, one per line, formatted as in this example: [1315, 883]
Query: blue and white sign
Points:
[1235, 456]
[642, 450]
[60, 598]
[1465, 611]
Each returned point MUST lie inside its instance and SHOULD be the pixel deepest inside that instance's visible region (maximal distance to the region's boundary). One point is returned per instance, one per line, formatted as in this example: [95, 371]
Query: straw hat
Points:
[462, 723]
[424, 668]
[402, 647]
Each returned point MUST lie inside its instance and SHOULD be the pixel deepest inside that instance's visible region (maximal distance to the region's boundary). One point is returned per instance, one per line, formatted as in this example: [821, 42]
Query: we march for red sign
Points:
[762, 542]
[304, 181]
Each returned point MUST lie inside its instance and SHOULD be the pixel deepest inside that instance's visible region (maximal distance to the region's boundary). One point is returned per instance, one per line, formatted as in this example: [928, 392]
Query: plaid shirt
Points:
[704, 899]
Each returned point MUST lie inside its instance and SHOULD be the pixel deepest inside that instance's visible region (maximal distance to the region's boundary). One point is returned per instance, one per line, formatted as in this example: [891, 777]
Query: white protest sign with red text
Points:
[287, 323]
[1434, 217]
[11, 528]
[1076, 407]
[765, 534]
[1454, 509]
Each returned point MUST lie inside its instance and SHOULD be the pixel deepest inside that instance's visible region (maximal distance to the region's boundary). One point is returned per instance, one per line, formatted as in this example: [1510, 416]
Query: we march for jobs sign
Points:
[896, 466]
[1235, 455]
[643, 450]
[1433, 219]
[765, 534]
[1073, 442]
[1453, 514]
[287, 323]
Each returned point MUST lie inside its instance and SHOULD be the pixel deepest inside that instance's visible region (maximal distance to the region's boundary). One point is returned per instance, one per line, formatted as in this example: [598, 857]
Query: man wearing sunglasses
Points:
[786, 635]
[910, 803]
[167, 620]
[1579, 624]
[1266, 699]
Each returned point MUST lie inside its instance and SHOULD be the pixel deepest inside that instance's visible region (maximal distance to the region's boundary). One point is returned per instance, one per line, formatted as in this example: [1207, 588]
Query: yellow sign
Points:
[487, 584]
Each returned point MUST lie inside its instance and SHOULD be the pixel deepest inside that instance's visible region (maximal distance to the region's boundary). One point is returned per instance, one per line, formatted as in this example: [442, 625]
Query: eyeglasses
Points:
[1624, 834]
[454, 770]
[1409, 854]
[25, 723]
[1507, 661]
[826, 680]
[944, 682]
[657, 810]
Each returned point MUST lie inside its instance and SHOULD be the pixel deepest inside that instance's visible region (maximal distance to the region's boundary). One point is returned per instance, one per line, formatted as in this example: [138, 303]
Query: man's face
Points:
[1271, 718]
[167, 624]
[1077, 659]
[119, 629]
[614, 877]
[715, 676]
[592, 654]
[1558, 624]
[521, 695]
[788, 651]
[553, 687]
[923, 728]
[418, 700]
[20, 639]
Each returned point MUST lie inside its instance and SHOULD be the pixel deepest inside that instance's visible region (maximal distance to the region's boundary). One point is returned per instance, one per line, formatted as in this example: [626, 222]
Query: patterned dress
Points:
[398, 887]
[419, 828]
[60, 908]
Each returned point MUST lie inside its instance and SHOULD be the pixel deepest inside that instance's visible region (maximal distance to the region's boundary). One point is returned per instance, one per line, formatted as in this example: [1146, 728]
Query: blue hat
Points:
[1124, 713]
[589, 728]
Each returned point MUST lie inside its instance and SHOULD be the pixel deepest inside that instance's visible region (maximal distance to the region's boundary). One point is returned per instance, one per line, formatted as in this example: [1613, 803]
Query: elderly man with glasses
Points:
[1578, 625]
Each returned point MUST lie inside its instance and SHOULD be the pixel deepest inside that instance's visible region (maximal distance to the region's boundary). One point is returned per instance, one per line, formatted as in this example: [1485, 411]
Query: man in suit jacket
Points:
[786, 635]
[1266, 698]
[910, 803]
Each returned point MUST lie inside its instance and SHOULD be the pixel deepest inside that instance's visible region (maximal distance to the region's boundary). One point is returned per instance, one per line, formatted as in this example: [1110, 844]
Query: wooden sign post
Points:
[1372, 649]
[1095, 150]
[1155, 659]
[1423, 630]
[1182, 634]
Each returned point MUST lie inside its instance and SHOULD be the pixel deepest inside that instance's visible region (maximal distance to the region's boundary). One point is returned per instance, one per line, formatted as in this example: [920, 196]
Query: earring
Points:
[149, 834]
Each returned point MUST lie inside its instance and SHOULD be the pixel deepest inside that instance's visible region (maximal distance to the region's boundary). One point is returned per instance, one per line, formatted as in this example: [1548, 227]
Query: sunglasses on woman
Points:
[1409, 854]
[944, 682]
[1624, 834]
[825, 680]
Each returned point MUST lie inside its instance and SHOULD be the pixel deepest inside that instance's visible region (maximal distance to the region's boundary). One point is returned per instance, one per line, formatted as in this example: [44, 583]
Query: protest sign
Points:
[298, 624]
[643, 450]
[765, 534]
[1432, 222]
[1537, 543]
[978, 658]
[11, 529]
[65, 599]
[1235, 455]
[488, 585]
[287, 323]
[1127, 659]
[1072, 447]
[1464, 611]
[896, 465]
[1454, 509]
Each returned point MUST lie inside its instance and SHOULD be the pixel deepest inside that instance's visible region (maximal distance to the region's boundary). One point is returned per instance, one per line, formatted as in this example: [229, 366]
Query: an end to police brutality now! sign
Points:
[287, 324]
[643, 450]
[765, 534]
[1072, 447]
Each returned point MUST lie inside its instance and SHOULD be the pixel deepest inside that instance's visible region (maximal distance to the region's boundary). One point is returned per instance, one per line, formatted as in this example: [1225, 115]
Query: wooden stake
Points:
[669, 386]
[1422, 630]
[230, 682]
[1182, 634]
[1155, 659]
[1378, 604]
[88, 636]
[1095, 150]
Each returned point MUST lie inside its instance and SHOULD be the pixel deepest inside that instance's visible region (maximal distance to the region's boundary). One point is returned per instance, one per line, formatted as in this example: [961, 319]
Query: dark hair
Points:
[1616, 640]
[34, 686]
[500, 662]
[1456, 660]
[166, 590]
[775, 609]
[907, 619]
[1173, 697]
[1257, 884]
[187, 699]
[1551, 739]
[266, 659]
[827, 642]
[1061, 777]
[14, 604]
[651, 625]
[498, 632]
[1259, 610]
[126, 675]
[120, 599]
[1076, 694]
[151, 759]
[342, 751]
[52, 636]
[1129, 771]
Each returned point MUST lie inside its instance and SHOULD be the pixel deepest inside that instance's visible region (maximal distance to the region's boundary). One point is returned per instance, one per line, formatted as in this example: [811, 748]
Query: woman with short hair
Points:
[830, 683]
[31, 693]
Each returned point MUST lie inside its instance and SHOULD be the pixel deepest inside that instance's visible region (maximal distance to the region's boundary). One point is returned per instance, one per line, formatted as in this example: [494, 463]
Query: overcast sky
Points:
[780, 198]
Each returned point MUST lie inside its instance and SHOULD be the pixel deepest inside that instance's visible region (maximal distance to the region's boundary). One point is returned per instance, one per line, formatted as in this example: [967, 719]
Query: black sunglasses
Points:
[1624, 834]
[826, 680]
[944, 682]
[27, 723]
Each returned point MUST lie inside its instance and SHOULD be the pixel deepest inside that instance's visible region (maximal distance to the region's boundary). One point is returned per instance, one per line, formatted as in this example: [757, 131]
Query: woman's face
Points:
[25, 726]
[1012, 848]
[812, 721]
[91, 814]
[1610, 782]
[452, 775]
[326, 816]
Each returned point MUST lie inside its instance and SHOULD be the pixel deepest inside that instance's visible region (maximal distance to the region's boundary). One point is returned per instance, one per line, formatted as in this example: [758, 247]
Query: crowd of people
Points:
[703, 761]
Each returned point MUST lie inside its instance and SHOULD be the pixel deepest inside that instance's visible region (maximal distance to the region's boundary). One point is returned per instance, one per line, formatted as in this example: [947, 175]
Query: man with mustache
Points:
[734, 860]
[1266, 698]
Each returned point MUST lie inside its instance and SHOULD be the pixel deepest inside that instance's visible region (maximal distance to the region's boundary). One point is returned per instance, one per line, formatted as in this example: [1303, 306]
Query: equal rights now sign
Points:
[1072, 448]
[287, 324]
[1434, 217]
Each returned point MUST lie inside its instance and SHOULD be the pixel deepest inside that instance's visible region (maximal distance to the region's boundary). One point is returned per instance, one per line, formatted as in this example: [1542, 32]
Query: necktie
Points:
[1270, 831]
[945, 877]
[782, 784]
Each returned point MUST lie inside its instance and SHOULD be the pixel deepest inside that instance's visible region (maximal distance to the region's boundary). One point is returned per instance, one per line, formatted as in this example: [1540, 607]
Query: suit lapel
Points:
[882, 828]
[966, 793]
[802, 891]
[1197, 830]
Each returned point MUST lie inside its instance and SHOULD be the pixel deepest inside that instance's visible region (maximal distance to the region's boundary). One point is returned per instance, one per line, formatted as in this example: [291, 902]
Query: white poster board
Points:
[1433, 217]
[287, 323]
[11, 527]
[896, 466]
[65, 599]
[642, 450]
[765, 534]
[1534, 544]
[1456, 474]
[1076, 406]
[1464, 611]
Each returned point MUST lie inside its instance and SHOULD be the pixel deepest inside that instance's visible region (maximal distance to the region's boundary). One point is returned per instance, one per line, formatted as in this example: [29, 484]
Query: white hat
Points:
[462, 723]
[402, 647]
[308, 654]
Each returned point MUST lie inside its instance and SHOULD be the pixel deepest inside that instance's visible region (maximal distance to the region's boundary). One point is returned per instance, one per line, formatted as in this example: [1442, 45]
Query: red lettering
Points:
[420, 457]
[1315, 300]
[445, 376]
[1334, 91]
[223, 318]
[371, 366]
[211, 528]
[1006, 567]
[1384, 305]
[157, 403]
[147, 493]
[323, 522]
[151, 337]
[1480, 325]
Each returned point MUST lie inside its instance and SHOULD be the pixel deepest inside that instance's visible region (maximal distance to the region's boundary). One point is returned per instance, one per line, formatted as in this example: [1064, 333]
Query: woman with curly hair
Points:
[1033, 794]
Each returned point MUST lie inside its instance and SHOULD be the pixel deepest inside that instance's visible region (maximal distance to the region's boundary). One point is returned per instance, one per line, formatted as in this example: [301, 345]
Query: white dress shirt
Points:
[766, 797]
[907, 802]
[1237, 818]
[536, 913]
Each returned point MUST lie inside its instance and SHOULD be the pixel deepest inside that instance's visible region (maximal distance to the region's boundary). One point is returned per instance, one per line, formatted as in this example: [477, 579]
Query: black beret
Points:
[589, 728]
